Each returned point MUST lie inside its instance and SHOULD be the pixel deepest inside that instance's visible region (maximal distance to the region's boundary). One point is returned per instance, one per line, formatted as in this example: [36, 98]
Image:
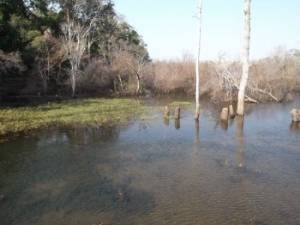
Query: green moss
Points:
[106, 112]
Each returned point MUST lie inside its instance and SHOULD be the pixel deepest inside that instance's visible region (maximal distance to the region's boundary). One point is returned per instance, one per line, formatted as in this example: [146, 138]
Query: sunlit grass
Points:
[180, 104]
[106, 112]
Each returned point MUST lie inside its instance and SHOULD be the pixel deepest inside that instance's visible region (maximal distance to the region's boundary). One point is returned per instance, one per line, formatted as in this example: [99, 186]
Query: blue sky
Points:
[169, 27]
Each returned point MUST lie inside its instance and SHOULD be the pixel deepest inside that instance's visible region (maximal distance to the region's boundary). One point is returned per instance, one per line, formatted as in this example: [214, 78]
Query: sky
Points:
[169, 27]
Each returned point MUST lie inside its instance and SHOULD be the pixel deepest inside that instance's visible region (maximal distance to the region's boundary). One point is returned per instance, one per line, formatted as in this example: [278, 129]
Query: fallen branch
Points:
[248, 99]
[233, 82]
[255, 88]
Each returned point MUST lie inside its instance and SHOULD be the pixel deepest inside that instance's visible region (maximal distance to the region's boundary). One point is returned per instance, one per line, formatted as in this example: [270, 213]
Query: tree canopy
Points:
[23, 24]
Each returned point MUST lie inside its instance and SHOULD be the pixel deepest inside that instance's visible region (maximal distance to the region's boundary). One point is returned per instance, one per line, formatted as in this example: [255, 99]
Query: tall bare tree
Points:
[76, 30]
[199, 17]
[244, 78]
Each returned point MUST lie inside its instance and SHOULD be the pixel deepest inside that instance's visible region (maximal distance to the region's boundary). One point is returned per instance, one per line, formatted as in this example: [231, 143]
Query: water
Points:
[158, 172]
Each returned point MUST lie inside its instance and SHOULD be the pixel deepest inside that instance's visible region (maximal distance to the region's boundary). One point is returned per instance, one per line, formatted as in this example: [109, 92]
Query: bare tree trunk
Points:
[76, 34]
[138, 83]
[197, 61]
[244, 79]
[121, 82]
[73, 80]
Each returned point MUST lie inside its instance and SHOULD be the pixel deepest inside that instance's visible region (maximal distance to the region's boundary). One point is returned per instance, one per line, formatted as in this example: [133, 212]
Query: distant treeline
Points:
[69, 48]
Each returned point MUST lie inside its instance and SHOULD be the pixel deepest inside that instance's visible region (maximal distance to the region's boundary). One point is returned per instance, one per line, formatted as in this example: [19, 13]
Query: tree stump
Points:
[177, 113]
[166, 111]
[224, 114]
[295, 114]
[231, 111]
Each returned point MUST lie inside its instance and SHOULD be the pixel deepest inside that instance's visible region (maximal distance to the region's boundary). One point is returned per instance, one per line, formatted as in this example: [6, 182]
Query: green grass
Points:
[180, 104]
[106, 112]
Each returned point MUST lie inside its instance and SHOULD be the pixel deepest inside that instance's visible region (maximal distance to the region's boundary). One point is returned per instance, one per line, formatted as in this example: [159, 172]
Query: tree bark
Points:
[244, 78]
[197, 95]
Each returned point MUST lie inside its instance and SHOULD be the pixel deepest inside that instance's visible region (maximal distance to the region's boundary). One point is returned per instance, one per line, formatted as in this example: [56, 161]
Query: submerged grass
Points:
[180, 104]
[105, 112]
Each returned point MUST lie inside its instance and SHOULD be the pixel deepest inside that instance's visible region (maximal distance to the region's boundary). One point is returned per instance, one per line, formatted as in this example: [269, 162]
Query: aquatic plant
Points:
[180, 104]
[15, 121]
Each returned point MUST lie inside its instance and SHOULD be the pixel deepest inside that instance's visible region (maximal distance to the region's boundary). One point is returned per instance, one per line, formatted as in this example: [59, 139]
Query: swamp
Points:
[151, 169]
[97, 148]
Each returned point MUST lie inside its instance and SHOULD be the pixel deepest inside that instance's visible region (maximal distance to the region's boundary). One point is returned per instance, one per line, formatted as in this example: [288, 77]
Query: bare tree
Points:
[49, 54]
[244, 78]
[137, 67]
[76, 30]
[199, 17]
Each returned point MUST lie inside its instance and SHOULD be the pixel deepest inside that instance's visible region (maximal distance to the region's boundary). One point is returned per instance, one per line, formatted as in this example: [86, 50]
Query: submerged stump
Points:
[166, 111]
[177, 113]
[231, 111]
[295, 114]
[224, 114]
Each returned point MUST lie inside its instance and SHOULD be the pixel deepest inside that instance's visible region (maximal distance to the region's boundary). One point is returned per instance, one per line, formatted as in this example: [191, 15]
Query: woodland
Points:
[78, 48]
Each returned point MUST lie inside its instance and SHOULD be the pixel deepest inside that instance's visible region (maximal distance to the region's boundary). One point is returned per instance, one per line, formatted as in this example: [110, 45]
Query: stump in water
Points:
[177, 113]
[231, 111]
[295, 113]
[166, 111]
[224, 114]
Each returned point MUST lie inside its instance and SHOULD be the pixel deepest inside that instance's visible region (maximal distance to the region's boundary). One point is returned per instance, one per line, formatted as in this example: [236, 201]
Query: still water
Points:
[158, 171]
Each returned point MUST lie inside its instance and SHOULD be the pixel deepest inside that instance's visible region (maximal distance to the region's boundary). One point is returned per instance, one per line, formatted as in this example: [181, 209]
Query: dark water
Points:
[158, 172]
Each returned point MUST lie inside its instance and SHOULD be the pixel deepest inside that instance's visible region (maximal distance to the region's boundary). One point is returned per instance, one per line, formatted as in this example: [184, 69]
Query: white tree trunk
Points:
[138, 83]
[197, 95]
[76, 35]
[244, 78]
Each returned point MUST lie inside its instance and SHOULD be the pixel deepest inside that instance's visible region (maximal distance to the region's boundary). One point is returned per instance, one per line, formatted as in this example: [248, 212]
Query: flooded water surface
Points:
[158, 171]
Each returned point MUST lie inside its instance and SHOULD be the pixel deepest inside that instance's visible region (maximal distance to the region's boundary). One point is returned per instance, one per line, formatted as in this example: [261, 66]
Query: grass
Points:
[180, 104]
[106, 112]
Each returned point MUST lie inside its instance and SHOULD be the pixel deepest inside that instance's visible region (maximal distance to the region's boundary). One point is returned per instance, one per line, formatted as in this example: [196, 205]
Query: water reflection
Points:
[294, 126]
[224, 125]
[167, 121]
[148, 172]
[240, 143]
[197, 129]
[177, 124]
[61, 182]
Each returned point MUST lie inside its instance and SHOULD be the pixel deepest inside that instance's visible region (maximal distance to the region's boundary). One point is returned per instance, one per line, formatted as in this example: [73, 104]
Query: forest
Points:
[75, 48]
